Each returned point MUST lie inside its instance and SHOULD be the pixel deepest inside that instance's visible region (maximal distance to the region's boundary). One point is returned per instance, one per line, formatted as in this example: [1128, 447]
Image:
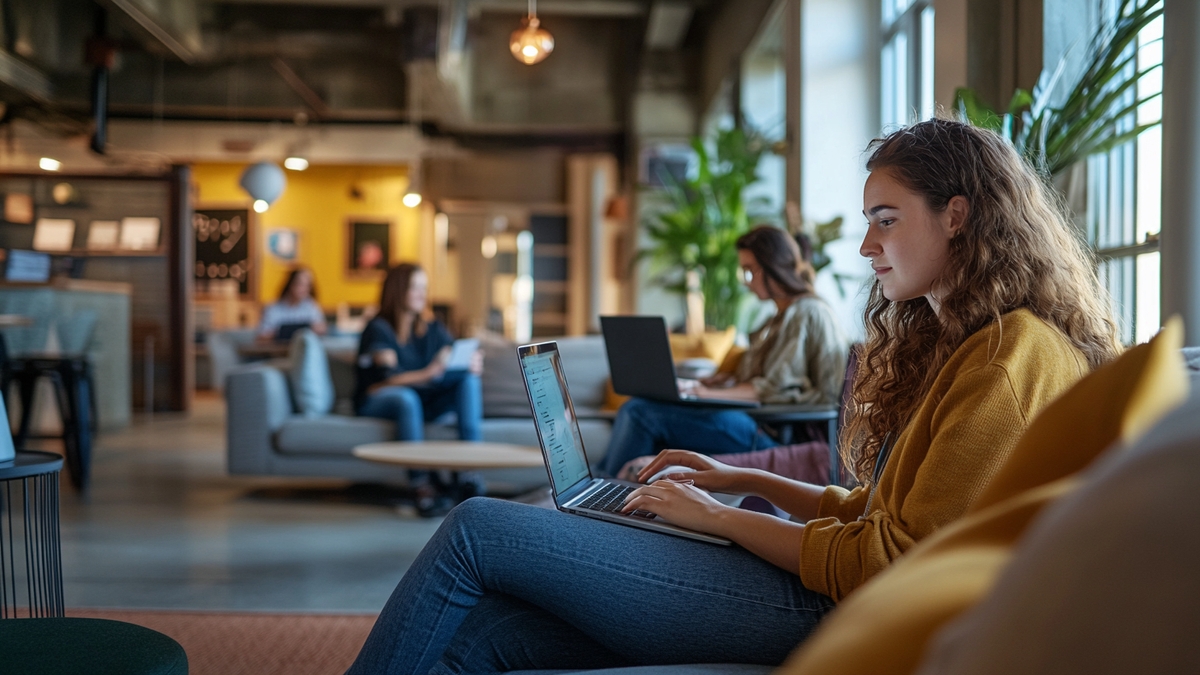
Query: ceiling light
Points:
[295, 163]
[48, 164]
[488, 247]
[261, 206]
[531, 44]
[412, 199]
[264, 182]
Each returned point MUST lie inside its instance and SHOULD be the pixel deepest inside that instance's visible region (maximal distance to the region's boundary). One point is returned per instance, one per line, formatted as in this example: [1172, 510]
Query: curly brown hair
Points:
[1015, 250]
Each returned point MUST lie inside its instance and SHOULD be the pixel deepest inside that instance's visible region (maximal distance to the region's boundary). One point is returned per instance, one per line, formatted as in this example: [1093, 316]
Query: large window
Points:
[906, 62]
[1124, 213]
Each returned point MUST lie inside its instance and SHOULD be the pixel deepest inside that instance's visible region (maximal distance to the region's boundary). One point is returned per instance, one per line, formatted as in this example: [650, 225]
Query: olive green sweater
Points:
[982, 400]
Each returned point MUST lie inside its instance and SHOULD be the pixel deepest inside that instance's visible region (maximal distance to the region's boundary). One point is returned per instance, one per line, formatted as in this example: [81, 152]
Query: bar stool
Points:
[70, 373]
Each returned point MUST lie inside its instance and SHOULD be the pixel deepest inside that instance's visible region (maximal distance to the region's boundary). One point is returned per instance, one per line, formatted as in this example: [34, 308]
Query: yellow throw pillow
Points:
[884, 626]
[612, 400]
[733, 359]
[708, 345]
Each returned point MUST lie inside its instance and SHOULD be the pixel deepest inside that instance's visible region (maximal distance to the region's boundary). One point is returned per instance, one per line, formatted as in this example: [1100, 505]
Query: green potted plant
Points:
[695, 230]
[1095, 115]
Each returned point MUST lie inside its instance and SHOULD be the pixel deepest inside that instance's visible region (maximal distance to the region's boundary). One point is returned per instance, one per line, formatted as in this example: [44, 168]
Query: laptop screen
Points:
[554, 416]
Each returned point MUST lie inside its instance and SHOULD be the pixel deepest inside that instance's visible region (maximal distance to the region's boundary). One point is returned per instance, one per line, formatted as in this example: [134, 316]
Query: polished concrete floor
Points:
[163, 526]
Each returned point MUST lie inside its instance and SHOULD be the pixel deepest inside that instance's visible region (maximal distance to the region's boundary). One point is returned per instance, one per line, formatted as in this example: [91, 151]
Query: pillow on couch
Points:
[312, 385]
[712, 344]
[1106, 581]
[884, 626]
[502, 385]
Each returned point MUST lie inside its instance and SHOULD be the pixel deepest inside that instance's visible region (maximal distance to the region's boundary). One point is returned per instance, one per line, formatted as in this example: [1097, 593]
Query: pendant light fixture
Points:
[531, 44]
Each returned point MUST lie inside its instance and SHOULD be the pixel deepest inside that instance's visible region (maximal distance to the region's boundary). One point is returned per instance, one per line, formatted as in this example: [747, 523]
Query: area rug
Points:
[251, 643]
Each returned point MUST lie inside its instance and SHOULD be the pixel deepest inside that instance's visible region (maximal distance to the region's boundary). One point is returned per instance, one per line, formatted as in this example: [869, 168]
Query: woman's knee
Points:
[475, 511]
[639, 409]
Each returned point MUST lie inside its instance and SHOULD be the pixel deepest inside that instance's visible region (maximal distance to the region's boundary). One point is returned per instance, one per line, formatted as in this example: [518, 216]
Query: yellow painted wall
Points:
[317, 203]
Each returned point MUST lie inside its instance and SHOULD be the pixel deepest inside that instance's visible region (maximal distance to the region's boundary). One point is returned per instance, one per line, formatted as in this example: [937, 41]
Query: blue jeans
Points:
[504, 586]
[645, 427]
[411, 407]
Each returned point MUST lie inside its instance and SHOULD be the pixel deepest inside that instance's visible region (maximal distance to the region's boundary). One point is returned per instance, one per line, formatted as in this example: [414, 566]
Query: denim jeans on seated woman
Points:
[411, 407]
[645, 427]
[505, 586]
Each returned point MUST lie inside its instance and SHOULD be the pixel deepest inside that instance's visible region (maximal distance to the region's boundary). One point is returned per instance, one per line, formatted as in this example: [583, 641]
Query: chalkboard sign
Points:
[222, 241]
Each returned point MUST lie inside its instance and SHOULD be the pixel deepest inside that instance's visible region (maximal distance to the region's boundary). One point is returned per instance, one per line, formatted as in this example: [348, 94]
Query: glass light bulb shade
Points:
[531, 44]
[261, 206]
[295, 163]
[49, 164]
[488, 247]
[412, 199]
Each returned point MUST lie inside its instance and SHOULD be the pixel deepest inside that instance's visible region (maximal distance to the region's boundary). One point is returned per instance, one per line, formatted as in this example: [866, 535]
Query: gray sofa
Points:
[267, 437]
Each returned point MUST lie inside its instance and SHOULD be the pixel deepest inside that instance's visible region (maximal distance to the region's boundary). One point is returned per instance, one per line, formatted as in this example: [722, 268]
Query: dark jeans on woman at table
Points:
[504, 586]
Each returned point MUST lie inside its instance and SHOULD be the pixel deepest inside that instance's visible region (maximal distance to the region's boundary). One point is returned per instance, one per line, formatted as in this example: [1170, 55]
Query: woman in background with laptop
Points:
[797, 356]
[405, 373]
[984, 309]
[296, 308]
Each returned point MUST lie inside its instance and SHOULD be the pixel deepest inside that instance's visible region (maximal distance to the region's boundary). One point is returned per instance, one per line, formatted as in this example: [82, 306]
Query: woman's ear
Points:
[955, 214]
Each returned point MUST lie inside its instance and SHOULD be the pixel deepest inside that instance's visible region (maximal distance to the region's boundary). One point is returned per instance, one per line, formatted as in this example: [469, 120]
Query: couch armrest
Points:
[257, 401]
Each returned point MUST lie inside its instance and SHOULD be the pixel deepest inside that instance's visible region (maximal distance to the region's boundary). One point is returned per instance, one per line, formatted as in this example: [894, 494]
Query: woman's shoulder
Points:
[814, 312]
[1020, 337]
[377, 325]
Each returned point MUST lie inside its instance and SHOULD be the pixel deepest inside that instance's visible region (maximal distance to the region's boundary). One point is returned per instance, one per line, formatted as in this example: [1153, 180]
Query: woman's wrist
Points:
[725, 522]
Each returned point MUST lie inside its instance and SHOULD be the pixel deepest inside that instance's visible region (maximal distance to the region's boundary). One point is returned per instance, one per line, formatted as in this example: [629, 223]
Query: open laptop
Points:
[574, 488]
[639, 360]
[285, 331]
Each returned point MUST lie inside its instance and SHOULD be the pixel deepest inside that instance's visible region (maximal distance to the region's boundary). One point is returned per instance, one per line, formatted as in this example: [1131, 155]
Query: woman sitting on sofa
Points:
[798, 356]
[402, 360]
[296, 308]
[984, 309]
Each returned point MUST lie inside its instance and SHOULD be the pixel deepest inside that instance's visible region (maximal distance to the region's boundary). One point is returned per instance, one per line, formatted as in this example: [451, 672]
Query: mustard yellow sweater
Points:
[977, 408]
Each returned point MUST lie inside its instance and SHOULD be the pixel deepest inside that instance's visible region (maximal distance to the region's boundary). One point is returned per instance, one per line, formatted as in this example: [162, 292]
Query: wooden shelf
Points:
[550, 250]
[550, 286]
[156, 253]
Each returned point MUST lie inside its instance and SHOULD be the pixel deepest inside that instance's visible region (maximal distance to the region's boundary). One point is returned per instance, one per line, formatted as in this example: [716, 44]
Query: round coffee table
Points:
[452, 455]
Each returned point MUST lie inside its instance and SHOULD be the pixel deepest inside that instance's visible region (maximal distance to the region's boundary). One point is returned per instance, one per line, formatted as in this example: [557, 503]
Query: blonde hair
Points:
[1015, 250]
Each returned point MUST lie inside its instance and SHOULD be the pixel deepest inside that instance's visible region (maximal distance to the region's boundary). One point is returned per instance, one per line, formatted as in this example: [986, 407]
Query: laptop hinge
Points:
[575, 490]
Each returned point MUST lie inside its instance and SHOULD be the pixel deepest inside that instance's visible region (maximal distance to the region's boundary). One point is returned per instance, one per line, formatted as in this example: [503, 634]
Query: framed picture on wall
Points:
[224, 247]
[369, 245]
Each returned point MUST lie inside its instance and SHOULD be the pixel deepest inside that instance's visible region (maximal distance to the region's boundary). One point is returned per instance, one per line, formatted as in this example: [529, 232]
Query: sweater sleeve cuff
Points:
[815, 570]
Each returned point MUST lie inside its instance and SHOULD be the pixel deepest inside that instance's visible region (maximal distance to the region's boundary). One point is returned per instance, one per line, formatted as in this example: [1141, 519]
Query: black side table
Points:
[30, 547]
[786, 417]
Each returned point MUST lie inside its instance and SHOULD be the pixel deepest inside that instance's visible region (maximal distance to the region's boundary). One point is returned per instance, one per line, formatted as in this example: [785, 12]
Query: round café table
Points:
[454, 456]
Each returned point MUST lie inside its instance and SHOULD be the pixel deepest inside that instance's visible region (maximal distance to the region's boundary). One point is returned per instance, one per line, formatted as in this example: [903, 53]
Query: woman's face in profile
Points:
[753, 276]
[908, 243]
[418, 292]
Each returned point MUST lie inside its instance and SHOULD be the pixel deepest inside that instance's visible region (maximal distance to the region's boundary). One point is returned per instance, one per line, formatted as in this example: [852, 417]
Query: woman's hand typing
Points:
[707, 472]
[678, 502]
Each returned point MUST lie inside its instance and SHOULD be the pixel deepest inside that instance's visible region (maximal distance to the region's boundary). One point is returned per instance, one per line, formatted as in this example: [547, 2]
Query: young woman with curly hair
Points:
[984, 308]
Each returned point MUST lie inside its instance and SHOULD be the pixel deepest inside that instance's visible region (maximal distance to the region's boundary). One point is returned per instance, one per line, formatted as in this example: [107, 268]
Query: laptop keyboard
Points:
[610, 498]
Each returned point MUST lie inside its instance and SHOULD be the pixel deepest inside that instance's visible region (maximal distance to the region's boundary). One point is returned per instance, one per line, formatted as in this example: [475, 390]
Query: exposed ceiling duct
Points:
[668, 24]
[165, 25]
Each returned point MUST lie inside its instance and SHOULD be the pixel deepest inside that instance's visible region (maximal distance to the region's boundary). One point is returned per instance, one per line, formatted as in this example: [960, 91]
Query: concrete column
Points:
[1180, 243]
[794, 91]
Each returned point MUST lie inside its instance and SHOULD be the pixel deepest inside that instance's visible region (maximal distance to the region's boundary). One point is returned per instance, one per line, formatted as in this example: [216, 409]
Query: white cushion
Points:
[312, 385]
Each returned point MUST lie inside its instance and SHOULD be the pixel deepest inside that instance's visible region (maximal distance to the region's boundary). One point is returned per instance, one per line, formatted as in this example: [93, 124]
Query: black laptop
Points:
[640, 363]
